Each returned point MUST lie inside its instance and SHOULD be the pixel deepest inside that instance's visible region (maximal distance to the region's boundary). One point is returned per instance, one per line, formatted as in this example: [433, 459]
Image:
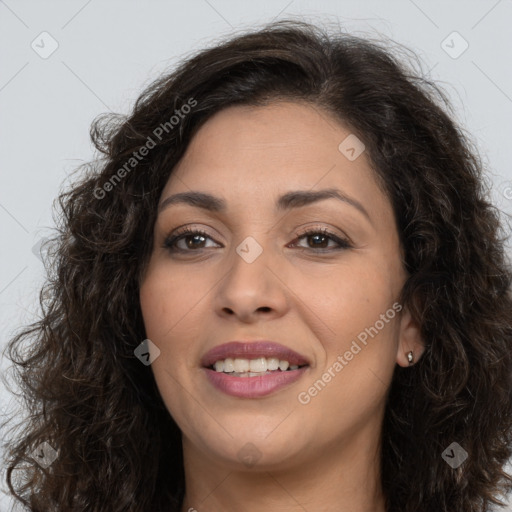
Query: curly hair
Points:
[91, 399]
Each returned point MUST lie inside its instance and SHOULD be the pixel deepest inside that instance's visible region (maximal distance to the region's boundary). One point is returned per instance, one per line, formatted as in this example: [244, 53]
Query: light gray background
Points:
[109, 50]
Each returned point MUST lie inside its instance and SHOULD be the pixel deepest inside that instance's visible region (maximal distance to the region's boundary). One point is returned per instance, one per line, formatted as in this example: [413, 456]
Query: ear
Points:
[409, 340]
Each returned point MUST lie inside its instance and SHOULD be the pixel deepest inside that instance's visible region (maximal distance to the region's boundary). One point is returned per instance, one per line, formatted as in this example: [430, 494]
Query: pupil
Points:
[317, 237]
[195, 237]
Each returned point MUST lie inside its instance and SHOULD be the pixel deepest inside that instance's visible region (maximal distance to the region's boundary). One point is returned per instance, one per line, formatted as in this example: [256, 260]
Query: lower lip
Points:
[253, 387]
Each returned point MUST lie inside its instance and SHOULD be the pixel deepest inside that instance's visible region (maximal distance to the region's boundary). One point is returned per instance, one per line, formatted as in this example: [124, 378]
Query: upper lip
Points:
[252, 350]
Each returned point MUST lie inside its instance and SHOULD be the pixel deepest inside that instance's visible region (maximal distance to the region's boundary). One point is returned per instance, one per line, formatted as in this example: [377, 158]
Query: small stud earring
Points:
[410, 357]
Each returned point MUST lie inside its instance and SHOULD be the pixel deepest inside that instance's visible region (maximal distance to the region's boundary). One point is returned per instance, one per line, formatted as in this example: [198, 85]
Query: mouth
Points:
[253, 369]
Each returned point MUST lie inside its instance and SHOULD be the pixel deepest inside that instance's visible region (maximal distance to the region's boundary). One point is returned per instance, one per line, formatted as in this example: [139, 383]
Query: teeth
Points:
[253, 367]
[258, 365]
[241, 365]
[272, 363]
[249, 374]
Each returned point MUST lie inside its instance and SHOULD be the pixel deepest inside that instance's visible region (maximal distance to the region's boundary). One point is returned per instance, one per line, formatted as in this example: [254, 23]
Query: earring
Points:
[410, 357]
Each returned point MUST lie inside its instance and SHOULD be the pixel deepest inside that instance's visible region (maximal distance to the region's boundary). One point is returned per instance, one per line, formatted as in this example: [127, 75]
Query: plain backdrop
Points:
[65, 62]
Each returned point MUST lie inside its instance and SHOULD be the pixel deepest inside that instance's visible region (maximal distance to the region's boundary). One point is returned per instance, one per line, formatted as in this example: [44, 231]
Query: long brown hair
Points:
[93, 401]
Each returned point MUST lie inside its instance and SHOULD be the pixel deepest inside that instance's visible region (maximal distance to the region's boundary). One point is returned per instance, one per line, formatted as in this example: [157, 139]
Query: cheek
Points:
[155, 302]
[359, 346]
[172, 304]
[167, 304]
[347, 298]
[165, 298]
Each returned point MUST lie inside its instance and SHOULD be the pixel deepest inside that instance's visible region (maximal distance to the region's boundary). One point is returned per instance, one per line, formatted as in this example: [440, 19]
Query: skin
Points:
[323, 455]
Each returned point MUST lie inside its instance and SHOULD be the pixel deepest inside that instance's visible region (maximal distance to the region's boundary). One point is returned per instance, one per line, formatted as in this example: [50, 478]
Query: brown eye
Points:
[319, 239]
[193, 240]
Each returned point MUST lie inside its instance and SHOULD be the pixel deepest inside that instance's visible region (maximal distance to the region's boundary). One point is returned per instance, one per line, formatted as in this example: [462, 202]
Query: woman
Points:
[282, 288]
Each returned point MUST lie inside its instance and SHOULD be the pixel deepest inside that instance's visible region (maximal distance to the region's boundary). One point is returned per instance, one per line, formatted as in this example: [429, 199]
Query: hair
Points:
[93, 401]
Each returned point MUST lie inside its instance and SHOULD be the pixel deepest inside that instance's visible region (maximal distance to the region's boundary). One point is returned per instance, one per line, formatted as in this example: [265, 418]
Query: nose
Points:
[252, 290]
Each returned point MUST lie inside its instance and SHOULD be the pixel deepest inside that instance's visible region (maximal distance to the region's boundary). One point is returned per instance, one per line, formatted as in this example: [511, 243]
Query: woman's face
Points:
[252, 275]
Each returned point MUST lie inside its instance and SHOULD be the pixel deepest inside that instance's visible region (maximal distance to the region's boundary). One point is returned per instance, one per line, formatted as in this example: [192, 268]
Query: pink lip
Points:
[253, 387]
[252, 350]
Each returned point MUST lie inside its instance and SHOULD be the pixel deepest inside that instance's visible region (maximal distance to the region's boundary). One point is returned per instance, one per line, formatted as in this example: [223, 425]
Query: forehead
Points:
[250, 153]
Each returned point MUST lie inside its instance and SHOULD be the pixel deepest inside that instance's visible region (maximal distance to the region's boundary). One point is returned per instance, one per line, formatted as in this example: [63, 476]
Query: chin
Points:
[251, 445]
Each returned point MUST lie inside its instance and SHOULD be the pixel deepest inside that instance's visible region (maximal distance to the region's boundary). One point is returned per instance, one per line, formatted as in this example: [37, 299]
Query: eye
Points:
[193, 238]
[321, 237]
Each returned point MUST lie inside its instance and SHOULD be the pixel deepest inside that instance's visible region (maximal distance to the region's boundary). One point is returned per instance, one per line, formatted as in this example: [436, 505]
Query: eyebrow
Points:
[292, 199]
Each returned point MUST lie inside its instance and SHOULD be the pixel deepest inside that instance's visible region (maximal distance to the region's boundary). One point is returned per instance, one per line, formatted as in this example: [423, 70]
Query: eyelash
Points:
[171, 240]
